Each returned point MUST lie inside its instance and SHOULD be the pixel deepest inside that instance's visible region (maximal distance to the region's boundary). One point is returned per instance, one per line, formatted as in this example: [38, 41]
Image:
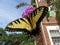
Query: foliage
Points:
[58, 16]
[57, 8]
[19, 39]
[2, 35]
[57, 11]
[1, 31]
[16, 39]
[55, 2]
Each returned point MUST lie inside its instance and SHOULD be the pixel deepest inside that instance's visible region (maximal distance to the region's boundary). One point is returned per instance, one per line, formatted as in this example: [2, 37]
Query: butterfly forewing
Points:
[22, 23]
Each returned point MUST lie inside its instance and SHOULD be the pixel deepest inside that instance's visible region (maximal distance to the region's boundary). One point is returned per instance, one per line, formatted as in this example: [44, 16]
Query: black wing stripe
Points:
[43, 15]
[18, 20]
[31, 15]
[15, 22]
[34, 13]
[29, 20]
[11, 23]
[23, 20]
[39, 9]
[18, 29]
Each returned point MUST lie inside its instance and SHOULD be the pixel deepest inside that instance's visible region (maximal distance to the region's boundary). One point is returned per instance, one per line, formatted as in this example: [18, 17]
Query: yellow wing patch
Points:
[21, 25]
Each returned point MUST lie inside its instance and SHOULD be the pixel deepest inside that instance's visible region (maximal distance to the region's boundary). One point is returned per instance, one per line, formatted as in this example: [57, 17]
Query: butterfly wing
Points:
[21, 24]
[30, 23]
[37, 16]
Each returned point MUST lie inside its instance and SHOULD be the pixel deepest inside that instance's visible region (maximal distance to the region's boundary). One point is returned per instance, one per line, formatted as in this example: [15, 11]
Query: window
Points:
[56, 40]
[54, 34]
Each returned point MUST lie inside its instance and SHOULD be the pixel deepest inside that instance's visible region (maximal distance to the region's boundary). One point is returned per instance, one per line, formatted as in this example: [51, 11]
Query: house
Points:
[49, 30]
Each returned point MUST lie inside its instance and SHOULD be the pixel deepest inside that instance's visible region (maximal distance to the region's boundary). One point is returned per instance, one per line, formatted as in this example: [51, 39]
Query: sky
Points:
[8, 11]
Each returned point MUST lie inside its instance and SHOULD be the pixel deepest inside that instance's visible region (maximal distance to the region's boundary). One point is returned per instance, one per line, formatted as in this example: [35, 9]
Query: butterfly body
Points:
[29, 24]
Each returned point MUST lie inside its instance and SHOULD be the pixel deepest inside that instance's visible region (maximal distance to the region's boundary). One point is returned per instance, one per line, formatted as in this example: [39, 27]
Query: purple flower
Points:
[28, 11]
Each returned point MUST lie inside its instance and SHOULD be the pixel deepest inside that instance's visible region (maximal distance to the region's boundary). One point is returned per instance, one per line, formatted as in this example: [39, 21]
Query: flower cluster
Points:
[28, 11]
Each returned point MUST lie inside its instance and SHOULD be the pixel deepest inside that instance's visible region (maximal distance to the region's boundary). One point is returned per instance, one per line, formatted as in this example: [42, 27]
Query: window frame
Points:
[51, 28]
